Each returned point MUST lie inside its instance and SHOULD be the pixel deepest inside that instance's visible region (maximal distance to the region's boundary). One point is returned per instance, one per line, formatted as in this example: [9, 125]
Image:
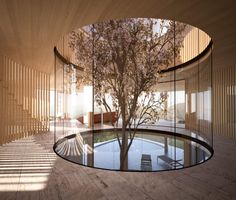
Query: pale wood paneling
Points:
[194, 43]
[64, 49]
[224, 82]
[30, 30]
[22, 112]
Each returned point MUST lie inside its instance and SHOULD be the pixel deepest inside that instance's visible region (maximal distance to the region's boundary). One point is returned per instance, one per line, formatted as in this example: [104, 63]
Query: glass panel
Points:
[130, 102]
[204, 98]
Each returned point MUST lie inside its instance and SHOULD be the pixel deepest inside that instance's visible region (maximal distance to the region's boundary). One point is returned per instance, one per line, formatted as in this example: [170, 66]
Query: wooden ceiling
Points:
[29, 29]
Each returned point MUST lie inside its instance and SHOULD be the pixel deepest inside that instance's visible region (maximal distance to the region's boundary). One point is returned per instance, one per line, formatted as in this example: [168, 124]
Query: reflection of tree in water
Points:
[104, 137]
[123, 58]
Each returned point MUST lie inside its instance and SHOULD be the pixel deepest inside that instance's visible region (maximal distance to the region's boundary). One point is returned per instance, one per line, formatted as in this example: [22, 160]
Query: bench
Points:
[169, 161]
[106, 117]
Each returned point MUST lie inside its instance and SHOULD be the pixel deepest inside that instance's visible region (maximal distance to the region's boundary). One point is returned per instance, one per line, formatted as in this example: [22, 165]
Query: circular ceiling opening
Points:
[159, 37]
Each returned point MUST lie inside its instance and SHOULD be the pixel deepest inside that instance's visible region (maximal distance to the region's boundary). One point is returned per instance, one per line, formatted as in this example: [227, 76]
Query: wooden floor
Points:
[29, 169]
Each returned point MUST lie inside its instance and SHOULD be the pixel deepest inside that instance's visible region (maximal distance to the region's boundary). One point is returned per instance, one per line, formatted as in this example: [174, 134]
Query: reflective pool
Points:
[149, 151]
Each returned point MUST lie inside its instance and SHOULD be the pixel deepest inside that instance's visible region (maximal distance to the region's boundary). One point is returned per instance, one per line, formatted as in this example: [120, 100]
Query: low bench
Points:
[98, 118]
[169, 161]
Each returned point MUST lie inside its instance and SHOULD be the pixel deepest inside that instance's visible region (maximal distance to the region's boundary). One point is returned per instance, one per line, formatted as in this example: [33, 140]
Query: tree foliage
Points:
[124, 58]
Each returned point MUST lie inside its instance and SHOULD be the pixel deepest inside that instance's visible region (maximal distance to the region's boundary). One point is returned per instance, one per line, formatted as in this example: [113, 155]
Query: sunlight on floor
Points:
[25, 166]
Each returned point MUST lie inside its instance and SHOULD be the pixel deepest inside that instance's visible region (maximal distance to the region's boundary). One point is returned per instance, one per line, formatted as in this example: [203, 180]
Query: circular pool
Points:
[150, 150]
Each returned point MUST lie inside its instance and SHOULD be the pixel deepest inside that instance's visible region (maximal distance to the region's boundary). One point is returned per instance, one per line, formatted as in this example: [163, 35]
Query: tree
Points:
[124, 58]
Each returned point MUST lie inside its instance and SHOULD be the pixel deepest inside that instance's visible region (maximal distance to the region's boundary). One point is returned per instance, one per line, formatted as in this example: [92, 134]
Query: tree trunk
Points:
[124, 146]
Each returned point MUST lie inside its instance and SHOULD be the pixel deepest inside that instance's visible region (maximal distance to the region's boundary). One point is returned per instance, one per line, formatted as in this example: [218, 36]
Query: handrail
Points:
[64, 60]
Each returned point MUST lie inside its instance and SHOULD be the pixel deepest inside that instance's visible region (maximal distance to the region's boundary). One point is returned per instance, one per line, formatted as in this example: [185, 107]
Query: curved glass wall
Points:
[134, 95]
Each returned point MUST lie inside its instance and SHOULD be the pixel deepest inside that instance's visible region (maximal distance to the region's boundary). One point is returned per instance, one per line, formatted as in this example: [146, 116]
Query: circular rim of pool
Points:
[154, 131]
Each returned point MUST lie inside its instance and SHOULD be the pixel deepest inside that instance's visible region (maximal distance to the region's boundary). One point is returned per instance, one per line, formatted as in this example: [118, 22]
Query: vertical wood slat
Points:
[191, 47]
[24, 100]
[41, 100]
[233, 101]
[1, 99]
[10, 99]
[48, 100]
[2, 111]
[36, 101]
[6, 100]
[14, 101]
[43, 103]
[225, 102]
[33, 100]
[1, 67]
[29, 101]
[43, 106]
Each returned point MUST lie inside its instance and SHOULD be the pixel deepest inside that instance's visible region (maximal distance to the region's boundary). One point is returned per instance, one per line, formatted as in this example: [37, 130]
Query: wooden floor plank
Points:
[29, 169]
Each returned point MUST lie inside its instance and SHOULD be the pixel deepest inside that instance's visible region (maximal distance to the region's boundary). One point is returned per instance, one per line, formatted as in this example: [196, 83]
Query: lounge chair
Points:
[146, 162]
[169, 161]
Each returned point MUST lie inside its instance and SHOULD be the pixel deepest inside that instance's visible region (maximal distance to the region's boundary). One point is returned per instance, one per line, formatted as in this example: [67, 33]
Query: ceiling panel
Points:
[29, 29]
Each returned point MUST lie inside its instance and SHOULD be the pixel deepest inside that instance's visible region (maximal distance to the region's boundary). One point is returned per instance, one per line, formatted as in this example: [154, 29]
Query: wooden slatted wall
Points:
[194, 43]
[224, 85]
[24, 100]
